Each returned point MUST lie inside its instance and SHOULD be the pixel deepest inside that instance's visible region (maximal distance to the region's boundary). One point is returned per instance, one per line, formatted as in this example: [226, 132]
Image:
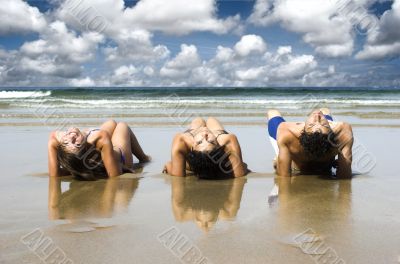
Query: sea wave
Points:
[221, 102]
[23, 94]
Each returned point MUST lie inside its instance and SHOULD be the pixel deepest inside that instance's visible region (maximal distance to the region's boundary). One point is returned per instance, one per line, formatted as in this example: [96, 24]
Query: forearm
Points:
[284, 172]
[53, 166]
[344, 170]
[284, 168]
[284, 164]
[108, 157]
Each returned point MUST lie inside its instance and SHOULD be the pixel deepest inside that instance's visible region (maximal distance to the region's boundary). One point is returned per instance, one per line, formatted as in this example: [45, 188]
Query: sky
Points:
[200, 43]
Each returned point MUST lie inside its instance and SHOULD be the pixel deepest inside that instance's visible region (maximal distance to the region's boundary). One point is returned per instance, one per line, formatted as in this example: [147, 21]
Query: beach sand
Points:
[149, 217]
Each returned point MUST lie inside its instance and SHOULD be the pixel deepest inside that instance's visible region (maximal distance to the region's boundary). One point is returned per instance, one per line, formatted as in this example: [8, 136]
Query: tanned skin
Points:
[292, 155]
[112, 139]
[204, 139]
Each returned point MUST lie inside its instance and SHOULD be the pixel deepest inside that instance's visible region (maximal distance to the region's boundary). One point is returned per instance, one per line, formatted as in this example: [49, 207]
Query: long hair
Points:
[211, 165]
[84, 165]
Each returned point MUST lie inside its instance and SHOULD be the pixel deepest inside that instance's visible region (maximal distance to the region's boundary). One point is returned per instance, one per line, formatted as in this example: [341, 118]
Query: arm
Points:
[108, 197]
[235, 157]
[232, 204]
[177, 165]
[284, 160]
[345, 156]
[54, 198]
[107, 154]
[53, 166]
[178, 197]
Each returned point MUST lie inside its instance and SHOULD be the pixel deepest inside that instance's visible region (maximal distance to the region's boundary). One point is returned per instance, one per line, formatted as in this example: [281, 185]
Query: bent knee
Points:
[272, 113]
[122, 125]
[112, 121]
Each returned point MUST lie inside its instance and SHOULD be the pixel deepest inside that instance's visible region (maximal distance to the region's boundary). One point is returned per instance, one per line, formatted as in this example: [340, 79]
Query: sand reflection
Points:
[82, 200]
[206, 202]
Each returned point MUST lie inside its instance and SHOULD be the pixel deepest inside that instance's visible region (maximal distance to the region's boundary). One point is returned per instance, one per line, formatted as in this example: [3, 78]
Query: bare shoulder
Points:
[101, 137]
[180, 138]
[181, 142]
[53, 135]
[230, 141]
[287, 131]
[343, 128]
[53, 140]
[343, 132]
[346, 126]
[228, 138]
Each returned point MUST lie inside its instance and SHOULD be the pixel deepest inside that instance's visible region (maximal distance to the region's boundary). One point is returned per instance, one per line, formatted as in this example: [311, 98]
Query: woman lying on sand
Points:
[207, 150]
[94, 154]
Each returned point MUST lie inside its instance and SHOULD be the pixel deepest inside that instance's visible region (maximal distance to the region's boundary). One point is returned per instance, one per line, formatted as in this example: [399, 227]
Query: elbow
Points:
[283, 173]
[344, 175]
[113, 175]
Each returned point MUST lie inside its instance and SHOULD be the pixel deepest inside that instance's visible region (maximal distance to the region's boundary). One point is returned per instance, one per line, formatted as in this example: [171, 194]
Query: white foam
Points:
[29, 99]
[23, 94]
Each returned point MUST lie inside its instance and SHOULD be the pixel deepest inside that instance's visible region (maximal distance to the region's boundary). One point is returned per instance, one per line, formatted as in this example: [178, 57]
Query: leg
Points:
[274, 120]
[273, 113]
[214, 124]
[197, 123]
[327, 113]
[109, 126]
[137, 149]
[121, 140]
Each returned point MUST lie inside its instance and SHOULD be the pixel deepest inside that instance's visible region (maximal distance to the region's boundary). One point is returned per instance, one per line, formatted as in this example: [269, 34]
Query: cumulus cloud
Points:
[180, 66]
[296, 67]
[83, 82]
[57, 54]
[122, 39]
[224, 54]
[135, 45]
[132, 28]
[233, 66]
[384, 40]
[176, 17]
[126, 75]
[250, 44]
[250, 74]
[17, 16]
[58, 41]
[324, 27]
[179, 16]
[59, 51]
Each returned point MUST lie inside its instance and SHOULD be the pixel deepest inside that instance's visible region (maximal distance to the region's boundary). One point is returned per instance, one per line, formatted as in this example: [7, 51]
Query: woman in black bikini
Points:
[207, 150]
[94, 154]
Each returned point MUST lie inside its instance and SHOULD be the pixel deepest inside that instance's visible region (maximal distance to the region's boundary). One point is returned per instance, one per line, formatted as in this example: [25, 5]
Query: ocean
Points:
[171, 106]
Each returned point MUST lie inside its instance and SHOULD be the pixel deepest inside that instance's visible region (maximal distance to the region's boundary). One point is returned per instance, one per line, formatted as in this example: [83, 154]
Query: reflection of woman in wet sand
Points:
[207, 150]
[204, 202]
[94, 199]
[92, 154]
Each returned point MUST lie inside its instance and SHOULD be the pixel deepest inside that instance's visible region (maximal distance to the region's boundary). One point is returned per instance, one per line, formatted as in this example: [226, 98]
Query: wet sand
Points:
[149, 217]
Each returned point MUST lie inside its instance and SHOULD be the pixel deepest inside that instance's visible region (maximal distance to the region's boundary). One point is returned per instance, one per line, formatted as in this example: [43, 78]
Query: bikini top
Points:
[92, 130]
[222, 132]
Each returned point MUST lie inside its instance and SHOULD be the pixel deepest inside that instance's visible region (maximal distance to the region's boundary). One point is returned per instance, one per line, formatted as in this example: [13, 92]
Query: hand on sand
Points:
[275, 164]
[167, 167]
